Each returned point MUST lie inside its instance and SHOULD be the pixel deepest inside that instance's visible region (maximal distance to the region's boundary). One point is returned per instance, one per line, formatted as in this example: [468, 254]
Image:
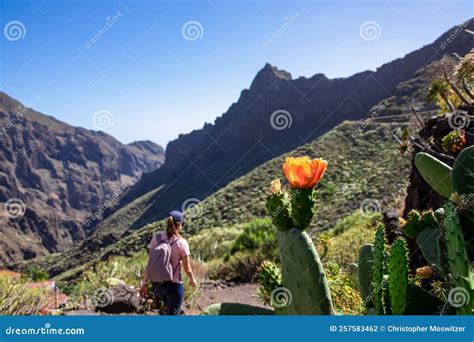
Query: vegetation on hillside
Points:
[365, 170]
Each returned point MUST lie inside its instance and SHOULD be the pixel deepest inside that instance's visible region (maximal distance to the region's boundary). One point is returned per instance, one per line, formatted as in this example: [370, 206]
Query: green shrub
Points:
[212, 243]
[353, 232]
[240, 267]
[17, 298]
[255, 234]
[36, 274]
[344, 290]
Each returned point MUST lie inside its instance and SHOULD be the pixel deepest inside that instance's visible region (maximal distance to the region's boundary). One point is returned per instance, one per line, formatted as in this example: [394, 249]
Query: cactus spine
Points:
[398, 277]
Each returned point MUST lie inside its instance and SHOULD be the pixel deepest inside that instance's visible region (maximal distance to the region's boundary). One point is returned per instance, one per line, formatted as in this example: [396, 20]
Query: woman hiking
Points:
[167, 251]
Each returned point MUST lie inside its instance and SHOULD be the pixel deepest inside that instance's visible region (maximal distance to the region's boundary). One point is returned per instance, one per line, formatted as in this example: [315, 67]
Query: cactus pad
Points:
[462, 178]
[378, 269]
[303, 275]
[436, 173]
[459, 266]
[302, 207]
[398, 277]
[365, 272]
[236, 309]
[422, 302]
[278, 205]
[427, 241]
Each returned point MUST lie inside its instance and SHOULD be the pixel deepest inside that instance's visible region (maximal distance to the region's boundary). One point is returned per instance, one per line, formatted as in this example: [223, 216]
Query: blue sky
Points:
[157, 80]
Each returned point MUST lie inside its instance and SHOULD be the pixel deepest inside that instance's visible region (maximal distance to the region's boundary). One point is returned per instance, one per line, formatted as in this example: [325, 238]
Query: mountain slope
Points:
[57, 175]
[346, 186]
[203, 161]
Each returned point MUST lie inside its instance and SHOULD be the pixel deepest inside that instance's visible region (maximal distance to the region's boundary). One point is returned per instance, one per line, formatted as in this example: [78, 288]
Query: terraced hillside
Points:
[365, 170]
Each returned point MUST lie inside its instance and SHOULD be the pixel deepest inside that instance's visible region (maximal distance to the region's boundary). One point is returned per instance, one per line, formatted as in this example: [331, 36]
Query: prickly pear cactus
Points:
[378, 269]
[462, 178]
[398, 277]
[364, 268]
[436, 173]
[462, 175]
[302, 207]
[303, 275]
[459, 266]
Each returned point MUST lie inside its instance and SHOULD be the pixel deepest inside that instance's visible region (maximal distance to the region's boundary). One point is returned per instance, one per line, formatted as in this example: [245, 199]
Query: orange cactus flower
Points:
[303, 172]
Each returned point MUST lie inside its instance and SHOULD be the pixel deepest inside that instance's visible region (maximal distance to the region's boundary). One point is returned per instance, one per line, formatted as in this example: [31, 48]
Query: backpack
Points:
[159, 267]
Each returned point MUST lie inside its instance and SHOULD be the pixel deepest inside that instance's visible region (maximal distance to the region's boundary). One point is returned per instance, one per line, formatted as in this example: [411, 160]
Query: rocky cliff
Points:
[53, 177]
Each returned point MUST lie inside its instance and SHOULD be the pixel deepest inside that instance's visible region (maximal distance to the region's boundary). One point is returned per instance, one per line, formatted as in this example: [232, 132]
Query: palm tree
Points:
[440, 89]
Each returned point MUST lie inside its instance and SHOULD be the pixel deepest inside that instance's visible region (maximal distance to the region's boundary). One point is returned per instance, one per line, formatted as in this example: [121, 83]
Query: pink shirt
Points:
[179, 250]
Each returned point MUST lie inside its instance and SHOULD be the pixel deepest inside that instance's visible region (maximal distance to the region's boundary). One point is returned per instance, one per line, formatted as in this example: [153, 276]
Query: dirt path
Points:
[231, 293]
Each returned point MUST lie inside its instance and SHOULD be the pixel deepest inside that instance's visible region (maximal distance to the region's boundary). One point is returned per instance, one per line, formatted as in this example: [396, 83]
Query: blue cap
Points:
[177, 216]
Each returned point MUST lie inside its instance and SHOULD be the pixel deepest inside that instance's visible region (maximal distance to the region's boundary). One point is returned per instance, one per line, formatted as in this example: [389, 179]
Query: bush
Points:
[255, 234]
[36, 274]
[17, 298]
[212, 243]
[240, 267]
[350, 233]
[344, 290]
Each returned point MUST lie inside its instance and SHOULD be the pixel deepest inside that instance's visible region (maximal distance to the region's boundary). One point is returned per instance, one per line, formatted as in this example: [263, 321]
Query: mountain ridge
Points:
[57, 176]
[242, 137]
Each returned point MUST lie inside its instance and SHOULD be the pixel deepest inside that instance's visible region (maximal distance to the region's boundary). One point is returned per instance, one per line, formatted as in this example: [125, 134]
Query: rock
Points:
[118, 299]
[56, 176]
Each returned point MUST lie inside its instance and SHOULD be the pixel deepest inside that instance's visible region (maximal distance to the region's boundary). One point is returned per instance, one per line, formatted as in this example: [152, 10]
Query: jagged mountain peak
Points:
[269, 74]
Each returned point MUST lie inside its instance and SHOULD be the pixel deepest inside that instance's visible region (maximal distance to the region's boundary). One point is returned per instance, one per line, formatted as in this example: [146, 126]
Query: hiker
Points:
[167, 251]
